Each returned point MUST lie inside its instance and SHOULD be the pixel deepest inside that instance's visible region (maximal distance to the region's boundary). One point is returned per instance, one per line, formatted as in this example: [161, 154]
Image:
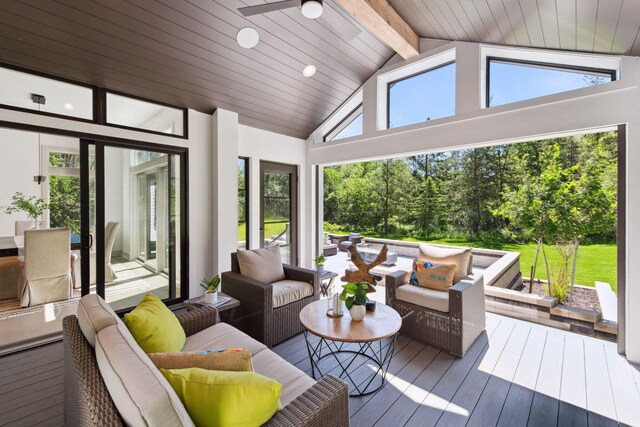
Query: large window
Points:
[511, 81]
[350, 126]
[24, 91]
[243, 203]
[150, 116]
[426, 96]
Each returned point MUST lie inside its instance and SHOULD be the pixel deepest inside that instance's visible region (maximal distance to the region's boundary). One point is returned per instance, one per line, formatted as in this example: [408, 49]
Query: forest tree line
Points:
[558, 189]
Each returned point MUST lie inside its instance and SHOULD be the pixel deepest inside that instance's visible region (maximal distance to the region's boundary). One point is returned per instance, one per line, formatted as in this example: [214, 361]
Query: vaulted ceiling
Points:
[184, 52]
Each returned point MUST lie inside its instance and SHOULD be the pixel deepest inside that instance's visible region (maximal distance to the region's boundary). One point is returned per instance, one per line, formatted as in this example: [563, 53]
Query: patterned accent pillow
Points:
[438, 277]
[233, 359]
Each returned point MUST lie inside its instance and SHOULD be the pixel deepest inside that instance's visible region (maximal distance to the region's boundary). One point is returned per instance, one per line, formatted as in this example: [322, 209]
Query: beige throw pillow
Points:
[439, 255]
[263, 265]
[233, 359]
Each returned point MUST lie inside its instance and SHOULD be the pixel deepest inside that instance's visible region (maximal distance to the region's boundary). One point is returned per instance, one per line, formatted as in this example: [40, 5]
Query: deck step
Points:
[608, 301]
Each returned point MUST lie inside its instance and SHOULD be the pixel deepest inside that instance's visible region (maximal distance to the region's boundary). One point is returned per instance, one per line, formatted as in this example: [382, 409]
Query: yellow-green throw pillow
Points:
[155, 328]
[225, 398]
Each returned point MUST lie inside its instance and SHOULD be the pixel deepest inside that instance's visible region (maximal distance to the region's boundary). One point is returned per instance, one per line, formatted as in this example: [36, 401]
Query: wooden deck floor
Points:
[515, 374]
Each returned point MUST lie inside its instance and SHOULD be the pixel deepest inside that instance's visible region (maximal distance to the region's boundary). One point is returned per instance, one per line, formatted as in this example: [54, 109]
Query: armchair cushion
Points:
[222, 335]
[288, 291]
[424, 297]
[94, 314]
[440, 255]
[264, 265]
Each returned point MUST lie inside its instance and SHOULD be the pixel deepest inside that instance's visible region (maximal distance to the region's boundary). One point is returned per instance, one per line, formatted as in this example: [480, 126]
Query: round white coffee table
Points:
[361, 351]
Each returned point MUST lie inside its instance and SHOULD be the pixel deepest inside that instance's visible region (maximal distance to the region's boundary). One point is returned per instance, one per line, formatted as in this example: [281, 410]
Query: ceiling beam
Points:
[379, 17]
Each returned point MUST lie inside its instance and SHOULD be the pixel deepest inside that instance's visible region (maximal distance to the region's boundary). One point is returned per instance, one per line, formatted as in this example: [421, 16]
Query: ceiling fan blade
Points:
[268, 7]
[340, 24]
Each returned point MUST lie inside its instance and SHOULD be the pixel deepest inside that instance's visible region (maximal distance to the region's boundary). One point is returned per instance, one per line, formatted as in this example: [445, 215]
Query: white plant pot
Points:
[211, 297]
[357, 312]
[319, 268]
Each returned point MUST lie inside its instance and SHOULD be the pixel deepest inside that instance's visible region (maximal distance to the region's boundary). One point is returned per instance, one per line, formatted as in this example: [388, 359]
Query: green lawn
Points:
[269, 230]
[595, 262]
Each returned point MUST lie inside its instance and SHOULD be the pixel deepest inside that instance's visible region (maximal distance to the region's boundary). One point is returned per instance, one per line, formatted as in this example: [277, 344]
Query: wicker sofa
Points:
[450, 320]
[257, 315]
[88, 401]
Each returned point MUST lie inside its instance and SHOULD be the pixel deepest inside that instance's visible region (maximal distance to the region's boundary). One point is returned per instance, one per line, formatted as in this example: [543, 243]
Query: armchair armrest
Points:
[254, 296]
[325, 404]
[467, 310]
[302, 275]
[198, 320]
[392, 281]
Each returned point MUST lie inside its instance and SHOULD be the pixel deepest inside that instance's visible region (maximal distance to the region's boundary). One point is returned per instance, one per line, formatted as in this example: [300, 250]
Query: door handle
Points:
[90, 241]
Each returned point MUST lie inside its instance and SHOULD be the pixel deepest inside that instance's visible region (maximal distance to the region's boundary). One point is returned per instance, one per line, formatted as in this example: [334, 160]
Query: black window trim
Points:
[99, 102]
[246, 200]
[537, 64]
[393, 82]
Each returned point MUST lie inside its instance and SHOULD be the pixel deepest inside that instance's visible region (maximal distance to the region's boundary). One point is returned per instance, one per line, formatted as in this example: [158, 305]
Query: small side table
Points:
[226, 311]
[324, 285]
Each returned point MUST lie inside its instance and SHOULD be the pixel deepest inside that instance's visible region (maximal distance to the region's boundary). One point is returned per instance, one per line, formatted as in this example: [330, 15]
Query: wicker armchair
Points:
[256, 315]
[454, 330]
[88, 403]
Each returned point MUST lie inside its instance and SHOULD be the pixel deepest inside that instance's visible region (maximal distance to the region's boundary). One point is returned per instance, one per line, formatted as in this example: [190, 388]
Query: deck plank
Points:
[598, 386]
[544, 407]
[492, 398]
[626, 396]
[516, 407]
[573, 387]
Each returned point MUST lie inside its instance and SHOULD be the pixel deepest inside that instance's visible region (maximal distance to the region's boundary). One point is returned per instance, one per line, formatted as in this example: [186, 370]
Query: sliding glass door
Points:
[135, 242]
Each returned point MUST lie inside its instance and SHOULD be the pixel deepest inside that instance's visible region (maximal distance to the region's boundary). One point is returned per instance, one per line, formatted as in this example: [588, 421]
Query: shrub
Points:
[560, 285]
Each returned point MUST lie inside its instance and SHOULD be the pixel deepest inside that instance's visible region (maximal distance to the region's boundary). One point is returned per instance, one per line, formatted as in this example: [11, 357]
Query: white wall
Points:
[260, 145]
[596, 107]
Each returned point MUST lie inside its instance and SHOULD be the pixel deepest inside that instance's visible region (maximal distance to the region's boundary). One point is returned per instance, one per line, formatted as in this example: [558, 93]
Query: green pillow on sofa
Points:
[225, 398]
[155, 328]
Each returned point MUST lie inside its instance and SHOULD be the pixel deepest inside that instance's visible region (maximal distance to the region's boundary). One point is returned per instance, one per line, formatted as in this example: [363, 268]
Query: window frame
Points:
[538, 64]
[104, 120]
[345, 122]
[99, 104]
[410, 76]
[246, 201]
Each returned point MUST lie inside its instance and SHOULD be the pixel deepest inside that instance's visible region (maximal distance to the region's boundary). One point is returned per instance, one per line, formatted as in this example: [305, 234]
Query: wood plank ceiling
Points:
[601, 26]
[184, 52]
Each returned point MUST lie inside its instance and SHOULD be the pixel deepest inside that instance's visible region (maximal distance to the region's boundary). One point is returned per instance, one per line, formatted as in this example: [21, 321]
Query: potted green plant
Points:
[355, 298]
[211, 286]
[319, 260]
[33, 206]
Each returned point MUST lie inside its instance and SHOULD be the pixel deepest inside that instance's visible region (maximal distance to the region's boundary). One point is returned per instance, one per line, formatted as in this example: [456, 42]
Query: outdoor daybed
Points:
[132, 391]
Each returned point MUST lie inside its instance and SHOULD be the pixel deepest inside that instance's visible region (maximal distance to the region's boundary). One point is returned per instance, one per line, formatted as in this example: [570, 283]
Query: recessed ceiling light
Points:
[309, 70]
[312, 9]
[68, 107]
[248, 37]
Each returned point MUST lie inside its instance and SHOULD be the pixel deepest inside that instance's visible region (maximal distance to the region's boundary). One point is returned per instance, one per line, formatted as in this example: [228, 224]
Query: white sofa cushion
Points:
[94, 314]
[263, 265]
[294, 381]
[141, 394]
[222, 336]
[288, 291]
[424, 297]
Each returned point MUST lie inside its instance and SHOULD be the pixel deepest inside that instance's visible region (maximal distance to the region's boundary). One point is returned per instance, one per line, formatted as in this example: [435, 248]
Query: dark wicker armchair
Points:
[88, 403]
[256, 315]
[454, 330]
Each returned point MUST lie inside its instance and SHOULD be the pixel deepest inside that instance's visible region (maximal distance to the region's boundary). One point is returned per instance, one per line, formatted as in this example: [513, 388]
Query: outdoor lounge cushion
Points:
[288, 291]
[294, 381]
[224, 398]
[155, 327]
[440, 255]
[222, 336]
[141, 394]
[263, 265]
[424, 297]
[94, 314]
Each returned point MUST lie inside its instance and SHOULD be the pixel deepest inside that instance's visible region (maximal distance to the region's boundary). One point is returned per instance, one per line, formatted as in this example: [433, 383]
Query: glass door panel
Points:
[278, 209]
